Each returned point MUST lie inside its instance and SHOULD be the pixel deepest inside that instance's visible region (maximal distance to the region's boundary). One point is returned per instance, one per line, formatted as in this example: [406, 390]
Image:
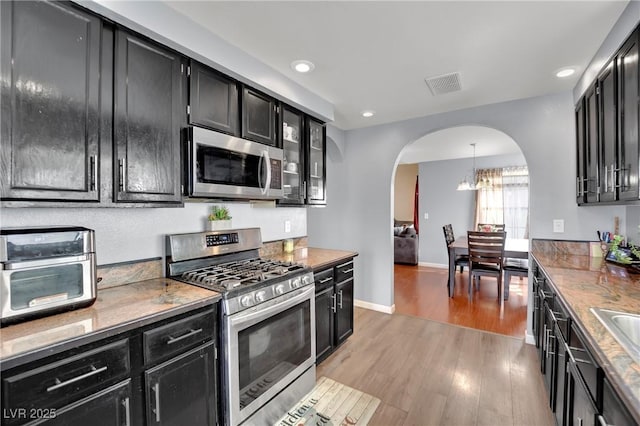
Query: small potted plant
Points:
[219, 218]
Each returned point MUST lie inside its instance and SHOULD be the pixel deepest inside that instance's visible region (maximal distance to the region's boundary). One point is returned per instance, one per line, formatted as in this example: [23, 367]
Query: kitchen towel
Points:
[331, 404]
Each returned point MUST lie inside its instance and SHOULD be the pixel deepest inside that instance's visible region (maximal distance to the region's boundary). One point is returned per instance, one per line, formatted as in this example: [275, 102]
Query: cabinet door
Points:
[549, 353]
[294, 160]
[344, 314]
[214, 100]
[608, 132]
[581, 150]
[580, 408]
[258, 117]
[182, 391]
[560, 378]
[111, 407]
[147, 118]
[316, 167]
[628, 103]
[592, 128]
[325, 308]
[50, 102]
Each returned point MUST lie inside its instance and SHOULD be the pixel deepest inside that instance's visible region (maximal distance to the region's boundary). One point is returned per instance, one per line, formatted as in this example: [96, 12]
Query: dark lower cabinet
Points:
[111, 407]
[334, 307]
[613, 410]
[560, 394]
[147, 119]
[181, 391]
[581, 410]
[163, 373]
[50, 102]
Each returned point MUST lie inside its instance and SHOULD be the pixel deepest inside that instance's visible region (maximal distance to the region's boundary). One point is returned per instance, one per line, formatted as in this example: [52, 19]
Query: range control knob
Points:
[295, 282]
[306, 280]
[246, 301]
[260, 296]
[279, 289]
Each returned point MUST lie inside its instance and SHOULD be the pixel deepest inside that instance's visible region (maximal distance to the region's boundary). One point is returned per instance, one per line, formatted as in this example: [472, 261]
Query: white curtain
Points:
[506, 200]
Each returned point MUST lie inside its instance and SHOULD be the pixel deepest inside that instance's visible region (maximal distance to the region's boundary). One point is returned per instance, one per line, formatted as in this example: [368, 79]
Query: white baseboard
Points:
[434, 265]
[375, 307]
[529, 339]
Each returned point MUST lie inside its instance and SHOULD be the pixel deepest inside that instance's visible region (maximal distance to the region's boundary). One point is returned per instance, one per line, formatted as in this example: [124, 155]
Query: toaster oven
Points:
[44, 271]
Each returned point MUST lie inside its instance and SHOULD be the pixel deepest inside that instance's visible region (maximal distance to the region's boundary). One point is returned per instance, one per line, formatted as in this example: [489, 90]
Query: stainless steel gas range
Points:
[268, 320]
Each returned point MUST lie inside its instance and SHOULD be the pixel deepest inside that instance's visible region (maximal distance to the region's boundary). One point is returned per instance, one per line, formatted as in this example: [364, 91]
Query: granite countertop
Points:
[115, 310]
[315, 258]
[585, 282]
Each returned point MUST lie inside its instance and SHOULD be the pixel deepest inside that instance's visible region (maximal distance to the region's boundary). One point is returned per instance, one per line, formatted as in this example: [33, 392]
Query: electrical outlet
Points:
[287, 226]
[558, 225]
[426, 215]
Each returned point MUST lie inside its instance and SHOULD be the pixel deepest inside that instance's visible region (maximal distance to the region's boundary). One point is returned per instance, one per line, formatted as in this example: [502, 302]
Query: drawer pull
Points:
[127, 412]
[340, 300]
[156, 393]
[326, 280]
[346, 271]
[345, 264]
[191, 333]
[60, 384]
[333, 303]
[602, 421]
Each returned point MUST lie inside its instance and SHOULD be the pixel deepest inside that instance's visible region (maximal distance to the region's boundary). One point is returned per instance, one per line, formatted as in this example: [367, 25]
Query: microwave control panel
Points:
[221, 239]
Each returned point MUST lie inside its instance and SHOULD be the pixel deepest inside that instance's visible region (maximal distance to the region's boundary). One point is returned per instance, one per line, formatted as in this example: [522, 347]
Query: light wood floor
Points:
[430, 373]
[422, 291]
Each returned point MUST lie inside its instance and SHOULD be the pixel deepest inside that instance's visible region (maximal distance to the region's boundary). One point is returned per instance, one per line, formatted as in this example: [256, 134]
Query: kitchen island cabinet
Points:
[589, 355]
[128, 359]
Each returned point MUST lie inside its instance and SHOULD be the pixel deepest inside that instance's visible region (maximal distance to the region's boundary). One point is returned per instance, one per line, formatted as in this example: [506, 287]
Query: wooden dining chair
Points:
[486, 254]
[514, 267]
[462, 260]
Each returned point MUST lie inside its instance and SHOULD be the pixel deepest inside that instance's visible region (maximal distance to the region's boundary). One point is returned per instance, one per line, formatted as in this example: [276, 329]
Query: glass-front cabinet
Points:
[304, 171]
[294, 164]
[316, 166]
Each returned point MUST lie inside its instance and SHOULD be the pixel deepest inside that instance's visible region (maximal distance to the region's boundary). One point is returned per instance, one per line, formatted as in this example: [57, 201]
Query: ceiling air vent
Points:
[444, 83]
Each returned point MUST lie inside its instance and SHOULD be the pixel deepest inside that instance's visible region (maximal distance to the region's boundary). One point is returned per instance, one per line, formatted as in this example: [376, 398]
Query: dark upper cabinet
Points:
[592, 184]
[581, 149]
[629, 116]
[607, 141]
[293, 144]
[213, 99]
[259, 117]
[50, 102]
[148, 114]
[316, 192]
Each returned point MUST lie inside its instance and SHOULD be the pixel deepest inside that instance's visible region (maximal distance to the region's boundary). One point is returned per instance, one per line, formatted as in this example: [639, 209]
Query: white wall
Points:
[543, 127]
[124, 234]
[439, 198]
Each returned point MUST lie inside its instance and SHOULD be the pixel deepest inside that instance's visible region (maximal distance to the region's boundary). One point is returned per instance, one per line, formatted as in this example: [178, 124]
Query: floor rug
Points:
[331, 404]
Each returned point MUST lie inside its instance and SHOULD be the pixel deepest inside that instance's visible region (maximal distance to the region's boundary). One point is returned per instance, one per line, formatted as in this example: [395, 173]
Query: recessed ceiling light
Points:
[368, 114]
[302, 66]
[565, 72]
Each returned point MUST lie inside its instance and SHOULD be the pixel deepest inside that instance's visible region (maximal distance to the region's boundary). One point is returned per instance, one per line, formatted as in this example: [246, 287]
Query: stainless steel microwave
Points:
[44, 271]
[224, 166]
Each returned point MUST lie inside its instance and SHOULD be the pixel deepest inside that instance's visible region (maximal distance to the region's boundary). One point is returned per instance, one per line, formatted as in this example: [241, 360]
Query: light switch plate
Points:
[287, 226]
[558, 225]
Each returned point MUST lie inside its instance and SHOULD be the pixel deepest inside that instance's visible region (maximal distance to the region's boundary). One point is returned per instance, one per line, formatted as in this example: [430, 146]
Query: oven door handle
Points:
[247, 319]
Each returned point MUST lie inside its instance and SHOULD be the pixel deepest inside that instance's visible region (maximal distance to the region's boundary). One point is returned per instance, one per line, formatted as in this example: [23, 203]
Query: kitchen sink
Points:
[624, 327]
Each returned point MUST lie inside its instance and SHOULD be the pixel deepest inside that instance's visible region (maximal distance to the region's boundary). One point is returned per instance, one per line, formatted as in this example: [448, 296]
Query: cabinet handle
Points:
[347, 271]
[613, 182]
[127, 412]
[191, 333]
[304, 189]
[551, 339]
[579, 421]
[156, 395]
[122, 166]
[60, 384]
[602, 421]
[333, 303]
[326, 280]
[340, 301]
[94, 171]
[345, 264]
[606, 179]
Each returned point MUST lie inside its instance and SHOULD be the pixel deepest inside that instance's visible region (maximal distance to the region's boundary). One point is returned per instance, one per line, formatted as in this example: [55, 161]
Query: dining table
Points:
[513, 247]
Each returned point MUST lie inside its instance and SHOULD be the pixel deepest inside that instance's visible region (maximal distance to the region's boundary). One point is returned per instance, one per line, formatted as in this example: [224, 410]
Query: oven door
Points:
[268, 348]
[226, 166]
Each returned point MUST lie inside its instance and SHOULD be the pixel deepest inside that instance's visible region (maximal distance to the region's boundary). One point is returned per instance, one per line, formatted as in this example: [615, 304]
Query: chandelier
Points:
[471, 184]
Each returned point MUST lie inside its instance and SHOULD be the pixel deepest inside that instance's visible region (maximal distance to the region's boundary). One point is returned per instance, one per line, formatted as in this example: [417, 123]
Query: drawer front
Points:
[586, 365]
[344, 271]
[323, 279]
[59, 383]
[174, 338]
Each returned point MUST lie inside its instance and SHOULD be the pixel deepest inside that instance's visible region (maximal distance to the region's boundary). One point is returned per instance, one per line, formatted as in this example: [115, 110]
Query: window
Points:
[505, 199]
